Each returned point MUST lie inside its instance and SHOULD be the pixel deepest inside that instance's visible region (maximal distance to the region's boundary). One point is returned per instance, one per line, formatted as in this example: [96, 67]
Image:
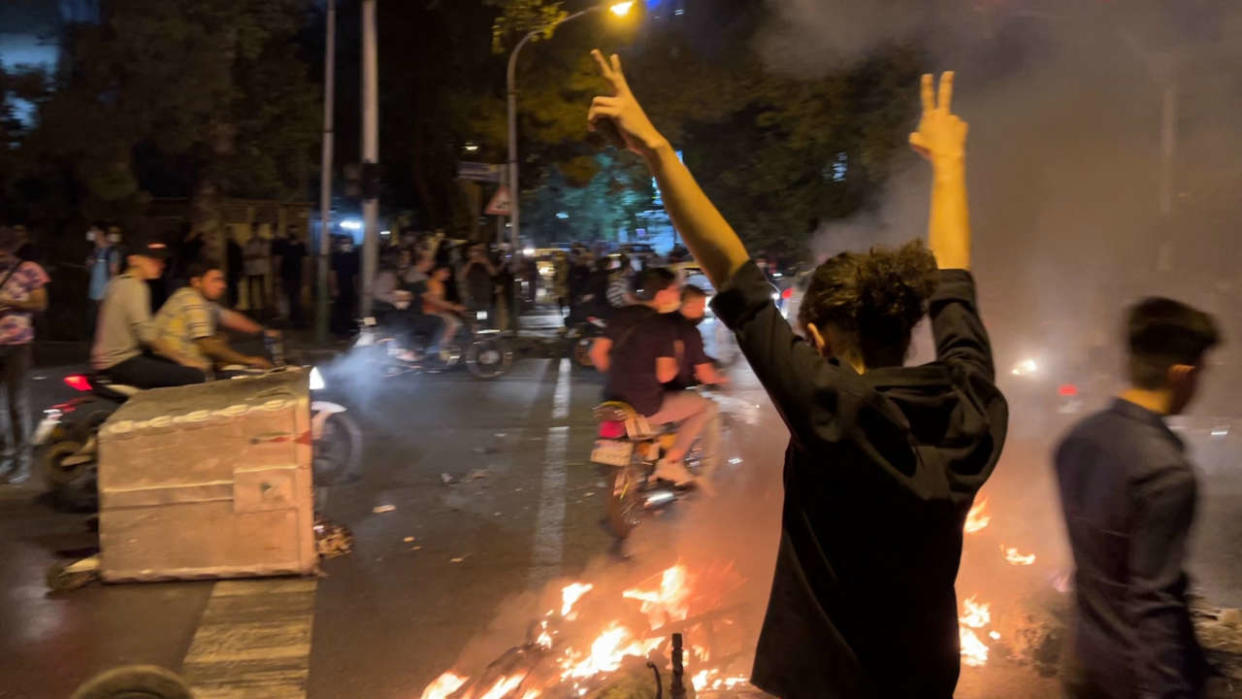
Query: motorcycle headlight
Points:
[316, 380]
[480, 315]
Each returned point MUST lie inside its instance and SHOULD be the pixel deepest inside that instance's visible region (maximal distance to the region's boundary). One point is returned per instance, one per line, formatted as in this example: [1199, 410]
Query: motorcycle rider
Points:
[127, 349]
[694, 366]
[638, 353]
[189, 321]
[397, 305]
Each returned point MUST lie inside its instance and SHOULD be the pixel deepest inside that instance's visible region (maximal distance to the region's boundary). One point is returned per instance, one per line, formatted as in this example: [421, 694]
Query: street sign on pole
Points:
[479, 172]
[501, 204]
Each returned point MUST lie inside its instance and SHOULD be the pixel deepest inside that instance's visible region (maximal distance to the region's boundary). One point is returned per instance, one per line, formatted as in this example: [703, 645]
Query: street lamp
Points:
[620, 9]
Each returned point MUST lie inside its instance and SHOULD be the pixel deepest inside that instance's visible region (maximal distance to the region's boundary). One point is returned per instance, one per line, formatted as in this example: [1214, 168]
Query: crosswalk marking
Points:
[254, 640]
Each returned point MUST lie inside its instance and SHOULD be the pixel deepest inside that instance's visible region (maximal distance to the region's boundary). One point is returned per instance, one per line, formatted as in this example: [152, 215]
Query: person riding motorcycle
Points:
[694, 365]
[639, 354]
[127, 348]
[397, 302]
[189, 321]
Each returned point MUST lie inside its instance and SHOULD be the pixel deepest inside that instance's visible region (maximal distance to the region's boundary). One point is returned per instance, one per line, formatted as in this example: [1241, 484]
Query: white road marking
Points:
[549, 546]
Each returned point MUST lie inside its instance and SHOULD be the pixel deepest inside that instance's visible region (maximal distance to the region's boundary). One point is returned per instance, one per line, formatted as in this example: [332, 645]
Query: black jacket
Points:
[880, 472]
[1128, 494]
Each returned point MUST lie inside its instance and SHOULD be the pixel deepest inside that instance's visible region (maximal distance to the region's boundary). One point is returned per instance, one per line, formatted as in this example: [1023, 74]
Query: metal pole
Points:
[325, 177]
[370, 150]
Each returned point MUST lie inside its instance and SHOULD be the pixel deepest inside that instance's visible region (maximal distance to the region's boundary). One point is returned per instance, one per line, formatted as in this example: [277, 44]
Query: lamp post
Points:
[620, 9]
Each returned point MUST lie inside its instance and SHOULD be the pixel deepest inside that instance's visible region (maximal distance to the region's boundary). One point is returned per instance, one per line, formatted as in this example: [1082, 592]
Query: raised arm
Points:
[709, 237]
[941, 139]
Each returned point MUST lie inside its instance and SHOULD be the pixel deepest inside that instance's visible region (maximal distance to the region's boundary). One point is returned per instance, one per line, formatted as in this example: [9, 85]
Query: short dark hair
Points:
[652, 281]
[200, 267]
[690, 292]
[1161, 333]
[875, 299]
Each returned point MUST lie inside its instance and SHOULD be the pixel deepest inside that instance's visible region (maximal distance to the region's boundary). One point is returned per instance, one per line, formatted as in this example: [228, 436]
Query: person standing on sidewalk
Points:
[258, 266]
[103, 263]
[292, 254]
[22, 294]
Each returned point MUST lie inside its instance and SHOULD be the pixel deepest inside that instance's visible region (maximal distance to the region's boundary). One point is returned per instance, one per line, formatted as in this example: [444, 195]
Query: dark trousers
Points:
[146, 371]
[293, 291]
[15, 371]
[92, 318]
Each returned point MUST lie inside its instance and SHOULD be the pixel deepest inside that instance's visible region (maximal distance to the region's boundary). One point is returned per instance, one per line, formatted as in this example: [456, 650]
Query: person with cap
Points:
[22, 294]
[128, 349]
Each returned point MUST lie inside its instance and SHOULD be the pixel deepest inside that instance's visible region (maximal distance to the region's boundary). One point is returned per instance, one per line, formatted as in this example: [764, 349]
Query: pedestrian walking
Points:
[1128, 495]
[22, 293]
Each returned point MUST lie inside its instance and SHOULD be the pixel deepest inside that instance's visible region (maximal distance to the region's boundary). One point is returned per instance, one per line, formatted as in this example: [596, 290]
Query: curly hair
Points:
[874, 299]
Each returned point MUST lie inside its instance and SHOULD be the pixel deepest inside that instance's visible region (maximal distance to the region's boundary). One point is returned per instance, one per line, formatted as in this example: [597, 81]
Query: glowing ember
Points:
[503, 686]
[570, 595]
[975, 615]
[977, 518]
[607, 652]
[974, 653]
[444, 686]
[1015, 558]
[531, 694]
[994, 636]
[544, 640]
[711, 679]
[669, 602]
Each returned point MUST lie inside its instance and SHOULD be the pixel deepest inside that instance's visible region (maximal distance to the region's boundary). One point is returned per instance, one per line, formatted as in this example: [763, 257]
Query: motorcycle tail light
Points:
[78, 382]
[612, 429]
[787, 294]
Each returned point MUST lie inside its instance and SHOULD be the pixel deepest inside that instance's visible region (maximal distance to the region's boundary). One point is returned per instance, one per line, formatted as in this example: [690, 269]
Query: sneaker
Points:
[674, 472]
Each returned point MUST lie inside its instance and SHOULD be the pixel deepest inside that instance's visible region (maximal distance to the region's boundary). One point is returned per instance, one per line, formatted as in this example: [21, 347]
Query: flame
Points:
[994, 636]
[974, 653]
[669, 602]
[503, 686]
[1015, 558]
[570, 595]
[977, 518]
[976, 615]
[544, 640]
[607, 652]
[711, 679]
[444, 686]
[531, 694]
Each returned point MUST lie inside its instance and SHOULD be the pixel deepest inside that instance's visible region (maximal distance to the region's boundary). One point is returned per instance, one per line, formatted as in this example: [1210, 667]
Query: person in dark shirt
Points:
[344, 286]
[292, 254]
[1128, 495]
[694, 366]
[639, 353]
[884, 460]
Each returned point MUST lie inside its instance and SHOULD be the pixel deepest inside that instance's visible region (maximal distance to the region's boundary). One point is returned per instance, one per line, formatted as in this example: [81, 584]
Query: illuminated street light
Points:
[621, 9]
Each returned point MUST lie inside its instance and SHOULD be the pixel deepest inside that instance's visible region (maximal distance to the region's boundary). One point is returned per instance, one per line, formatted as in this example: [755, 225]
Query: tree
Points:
[778, 154]
[202, 99]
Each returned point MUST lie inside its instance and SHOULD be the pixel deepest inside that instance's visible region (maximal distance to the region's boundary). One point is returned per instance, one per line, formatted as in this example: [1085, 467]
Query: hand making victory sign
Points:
[635, 129]
[941, 139]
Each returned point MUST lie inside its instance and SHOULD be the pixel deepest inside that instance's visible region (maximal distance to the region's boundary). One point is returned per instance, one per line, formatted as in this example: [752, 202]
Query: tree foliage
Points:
[165, 99]
[777, 154]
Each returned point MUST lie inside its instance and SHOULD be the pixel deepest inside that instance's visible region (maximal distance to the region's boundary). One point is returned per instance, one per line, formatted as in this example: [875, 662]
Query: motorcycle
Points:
[631, 448]
[486, 353]
[583, 335]
[66, 440]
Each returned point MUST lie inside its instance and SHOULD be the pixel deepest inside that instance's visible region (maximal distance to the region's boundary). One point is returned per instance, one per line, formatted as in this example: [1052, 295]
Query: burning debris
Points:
[332, 539]
[563, 658]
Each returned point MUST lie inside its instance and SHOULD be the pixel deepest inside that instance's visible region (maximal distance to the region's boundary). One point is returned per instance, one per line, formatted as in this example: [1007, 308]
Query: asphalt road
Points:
[446, 574]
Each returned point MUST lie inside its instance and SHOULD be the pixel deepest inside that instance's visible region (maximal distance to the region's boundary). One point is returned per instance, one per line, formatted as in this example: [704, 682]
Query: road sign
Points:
[500, 204]
[480, 172]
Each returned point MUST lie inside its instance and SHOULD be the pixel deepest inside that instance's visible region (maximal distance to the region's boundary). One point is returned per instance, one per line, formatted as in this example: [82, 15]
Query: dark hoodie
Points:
[880, 472]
